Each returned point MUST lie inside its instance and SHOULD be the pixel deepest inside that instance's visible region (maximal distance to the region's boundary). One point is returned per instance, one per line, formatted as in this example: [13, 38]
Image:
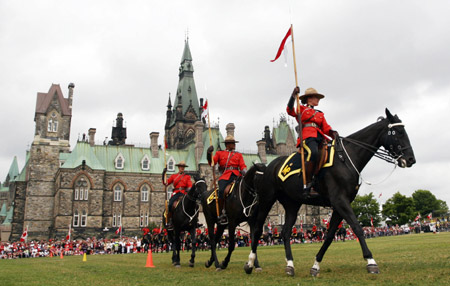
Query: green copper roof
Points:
[23, 174]
[82, 151]
[13, 170]
[280, 133]
[217, 140]
[3, 210]
[9, 216]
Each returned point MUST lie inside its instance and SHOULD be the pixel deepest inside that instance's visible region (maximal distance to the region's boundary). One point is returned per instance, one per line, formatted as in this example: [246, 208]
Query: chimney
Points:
[92, 136]
[262, 151]
[154, 144]
[71, 87]
[230, 129]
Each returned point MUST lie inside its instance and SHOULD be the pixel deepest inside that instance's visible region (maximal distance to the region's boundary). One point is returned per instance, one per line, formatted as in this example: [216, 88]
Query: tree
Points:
[366, 207]
[425, 202]
[399, 209]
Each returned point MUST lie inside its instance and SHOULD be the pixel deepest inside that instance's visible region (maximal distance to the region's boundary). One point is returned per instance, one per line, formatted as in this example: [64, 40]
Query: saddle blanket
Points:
[212, 196]
[293, 164]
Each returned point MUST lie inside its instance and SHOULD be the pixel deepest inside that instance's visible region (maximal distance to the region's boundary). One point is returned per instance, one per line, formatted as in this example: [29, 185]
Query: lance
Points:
[216, 195]
[299, 115]
[165, 180]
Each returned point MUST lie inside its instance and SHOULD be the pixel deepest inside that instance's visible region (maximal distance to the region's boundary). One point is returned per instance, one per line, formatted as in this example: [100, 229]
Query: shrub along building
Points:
[94, 189]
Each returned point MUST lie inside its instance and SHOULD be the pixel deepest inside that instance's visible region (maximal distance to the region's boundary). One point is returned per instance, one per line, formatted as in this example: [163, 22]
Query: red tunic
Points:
[181, 182]
[231, 161]
[313, 121]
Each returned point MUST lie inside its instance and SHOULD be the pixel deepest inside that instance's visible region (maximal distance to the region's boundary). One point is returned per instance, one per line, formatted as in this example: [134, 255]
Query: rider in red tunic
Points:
[314, 128]
[181, 185]
[232, 164]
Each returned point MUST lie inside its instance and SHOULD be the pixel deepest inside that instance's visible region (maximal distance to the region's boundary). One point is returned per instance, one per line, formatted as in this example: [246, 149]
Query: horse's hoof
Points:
[223, 266]
[259, 269]
[290, 270]
[177, 266]
[208, 264]
[218, 269]
[248, 269]
[191, 264]
[314, 272]
[373, 269]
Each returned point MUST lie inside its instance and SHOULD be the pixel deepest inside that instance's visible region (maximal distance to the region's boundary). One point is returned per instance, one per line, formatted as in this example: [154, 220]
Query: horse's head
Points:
[254, 175]
[396, 141]
[198, 188]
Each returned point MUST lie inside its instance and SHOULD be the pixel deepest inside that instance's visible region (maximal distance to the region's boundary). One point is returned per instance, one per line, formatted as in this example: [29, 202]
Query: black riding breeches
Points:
[313, 145]
[173, 199]
[224, 183]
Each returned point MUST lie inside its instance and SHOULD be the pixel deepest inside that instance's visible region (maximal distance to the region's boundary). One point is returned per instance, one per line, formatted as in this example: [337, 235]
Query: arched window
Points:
[81, 189]
[76, 218]
[118, 189]
[171, 164]
[52, 125]
[145, 163]
[119, 162]
[83, 218]
[144, 193]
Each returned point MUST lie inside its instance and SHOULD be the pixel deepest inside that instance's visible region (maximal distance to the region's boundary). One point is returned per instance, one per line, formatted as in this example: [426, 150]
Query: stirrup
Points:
[169, 225]
[222, 219]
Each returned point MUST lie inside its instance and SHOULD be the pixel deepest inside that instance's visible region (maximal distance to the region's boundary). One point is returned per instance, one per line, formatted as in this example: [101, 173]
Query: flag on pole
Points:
[301, 226]
[69, 233]
[269, 226]
[283, 43]
[24, 236]
[430, 216]
[205, 111]
[417, 217]
[371, 221]
[380, 195]
[119, 230]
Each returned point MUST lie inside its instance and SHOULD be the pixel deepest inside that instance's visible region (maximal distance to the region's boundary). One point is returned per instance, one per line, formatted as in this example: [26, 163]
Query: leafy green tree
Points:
[399, 209]
[442, 209]
[366, 207]
[425, 202]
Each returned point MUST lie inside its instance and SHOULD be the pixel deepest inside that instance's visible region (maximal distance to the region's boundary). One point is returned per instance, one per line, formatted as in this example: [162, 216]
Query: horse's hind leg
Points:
[291, 215]
[194, 241]
[334, 223]
[231, 245]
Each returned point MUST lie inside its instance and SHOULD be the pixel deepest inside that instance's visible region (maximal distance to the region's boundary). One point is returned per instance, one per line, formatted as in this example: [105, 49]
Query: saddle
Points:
[293, 164]
[228, 190]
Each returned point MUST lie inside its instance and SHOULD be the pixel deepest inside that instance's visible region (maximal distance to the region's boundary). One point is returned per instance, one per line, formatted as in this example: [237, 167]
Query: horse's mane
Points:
[381, 121]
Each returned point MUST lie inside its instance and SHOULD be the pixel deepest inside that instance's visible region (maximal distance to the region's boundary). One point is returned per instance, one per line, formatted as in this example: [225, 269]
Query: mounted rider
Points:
[181, 185]
[314, 129]
[232, 166]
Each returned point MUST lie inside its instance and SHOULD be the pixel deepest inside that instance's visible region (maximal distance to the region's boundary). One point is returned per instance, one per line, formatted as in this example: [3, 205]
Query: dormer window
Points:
[145, 163]
[171, 164]
[119, 161]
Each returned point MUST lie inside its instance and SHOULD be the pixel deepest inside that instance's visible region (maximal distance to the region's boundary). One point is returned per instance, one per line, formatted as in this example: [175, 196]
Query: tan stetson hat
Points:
[230, 139]
[182, 164]
[311, 91]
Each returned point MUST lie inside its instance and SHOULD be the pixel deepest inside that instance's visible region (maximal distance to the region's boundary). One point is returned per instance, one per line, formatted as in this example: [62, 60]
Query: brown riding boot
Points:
[169, 225]
[309, 191]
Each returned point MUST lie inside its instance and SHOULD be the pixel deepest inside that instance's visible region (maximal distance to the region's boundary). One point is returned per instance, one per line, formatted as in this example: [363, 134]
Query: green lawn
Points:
[416, 259]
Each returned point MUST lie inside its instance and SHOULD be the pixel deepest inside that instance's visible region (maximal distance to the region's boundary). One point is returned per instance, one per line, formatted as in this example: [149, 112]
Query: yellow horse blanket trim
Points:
[292, 165]
[212, 196]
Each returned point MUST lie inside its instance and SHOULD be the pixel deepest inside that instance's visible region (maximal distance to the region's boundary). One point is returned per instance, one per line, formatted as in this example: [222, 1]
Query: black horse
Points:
[185, 218]
[240, 205]
[337, 186]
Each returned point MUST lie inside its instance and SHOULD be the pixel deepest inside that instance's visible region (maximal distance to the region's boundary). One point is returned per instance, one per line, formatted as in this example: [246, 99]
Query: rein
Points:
[251, 192]
[389, 156]
[193, 200]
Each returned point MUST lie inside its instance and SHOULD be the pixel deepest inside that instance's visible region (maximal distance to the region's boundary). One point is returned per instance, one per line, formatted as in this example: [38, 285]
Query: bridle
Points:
[389, 155]
[193, 200]
[247, 210]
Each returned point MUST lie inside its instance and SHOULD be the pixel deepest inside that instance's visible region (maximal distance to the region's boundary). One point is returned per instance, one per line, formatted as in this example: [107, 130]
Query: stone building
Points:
[96, 188]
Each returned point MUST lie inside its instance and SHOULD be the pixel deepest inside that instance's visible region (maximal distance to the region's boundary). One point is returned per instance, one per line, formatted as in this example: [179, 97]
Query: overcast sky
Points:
[123, 56]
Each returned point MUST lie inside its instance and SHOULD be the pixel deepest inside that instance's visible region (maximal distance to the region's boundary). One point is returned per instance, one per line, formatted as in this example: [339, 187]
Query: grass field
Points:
[416, 259]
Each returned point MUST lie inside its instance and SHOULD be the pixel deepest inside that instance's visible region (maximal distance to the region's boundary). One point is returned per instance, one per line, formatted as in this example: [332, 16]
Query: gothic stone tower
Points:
[180, 121]
[53, 117]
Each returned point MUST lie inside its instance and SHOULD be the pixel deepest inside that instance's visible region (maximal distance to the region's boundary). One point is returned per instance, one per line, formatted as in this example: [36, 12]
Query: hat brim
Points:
[181, 165]
[312, 94]
[230, 142]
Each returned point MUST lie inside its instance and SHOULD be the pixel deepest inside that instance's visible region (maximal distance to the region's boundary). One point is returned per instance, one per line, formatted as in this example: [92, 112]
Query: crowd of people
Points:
[158, 241]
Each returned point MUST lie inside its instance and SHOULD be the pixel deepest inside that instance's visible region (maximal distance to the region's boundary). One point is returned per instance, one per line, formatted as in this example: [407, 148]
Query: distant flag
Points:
[119, 230]
[282, 45]
[69, 233]
[269, 226]
[205, 111]
[301, 226]
[371, 221]
[430, 216]
[417, 217]
[380, 195]
[24, 236]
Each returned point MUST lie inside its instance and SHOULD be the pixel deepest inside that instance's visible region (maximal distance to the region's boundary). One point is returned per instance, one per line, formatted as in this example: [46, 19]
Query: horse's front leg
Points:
[231, 245]
[291, 215]
[334, 223]
[346, 211]
[176, 249]
[194, 241]
[212, 243]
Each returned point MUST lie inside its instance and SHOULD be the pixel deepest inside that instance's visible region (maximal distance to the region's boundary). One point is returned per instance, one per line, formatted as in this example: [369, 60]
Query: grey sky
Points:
[123, 56]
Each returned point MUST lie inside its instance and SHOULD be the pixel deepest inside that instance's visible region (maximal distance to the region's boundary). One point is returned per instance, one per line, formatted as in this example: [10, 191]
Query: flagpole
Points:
[212, 167]
[299, 115]
[165, 180]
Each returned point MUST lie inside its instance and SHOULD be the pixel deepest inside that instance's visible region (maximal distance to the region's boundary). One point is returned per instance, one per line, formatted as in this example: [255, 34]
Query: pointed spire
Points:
[169, 103]
[13, 170]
